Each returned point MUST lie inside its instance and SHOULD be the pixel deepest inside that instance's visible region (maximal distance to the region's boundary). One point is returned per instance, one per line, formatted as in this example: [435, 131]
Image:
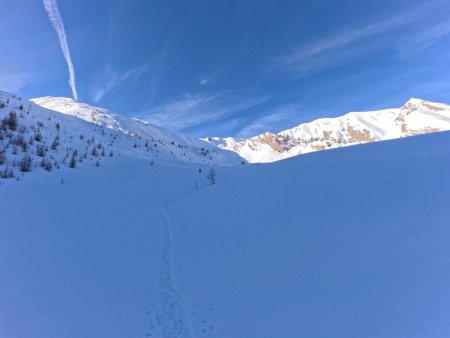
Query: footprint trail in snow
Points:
[172, 317]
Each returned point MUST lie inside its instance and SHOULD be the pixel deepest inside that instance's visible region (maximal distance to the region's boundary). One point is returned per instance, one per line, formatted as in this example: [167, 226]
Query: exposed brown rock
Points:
[318, 147]
[400, 119]
[422, 131]
[270, 139]
[409, 108]
[360, 136]
[431, 107]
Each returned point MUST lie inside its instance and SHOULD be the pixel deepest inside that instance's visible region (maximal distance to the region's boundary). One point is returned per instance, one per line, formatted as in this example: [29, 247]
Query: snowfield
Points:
[351, 242]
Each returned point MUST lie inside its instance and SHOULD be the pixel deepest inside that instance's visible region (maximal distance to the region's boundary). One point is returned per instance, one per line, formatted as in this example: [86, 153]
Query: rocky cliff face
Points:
[413, 118]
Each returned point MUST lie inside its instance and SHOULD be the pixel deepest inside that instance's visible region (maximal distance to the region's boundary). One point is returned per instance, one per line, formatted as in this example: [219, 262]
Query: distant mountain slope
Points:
[33, 137]
[195, 150]
[413, 118]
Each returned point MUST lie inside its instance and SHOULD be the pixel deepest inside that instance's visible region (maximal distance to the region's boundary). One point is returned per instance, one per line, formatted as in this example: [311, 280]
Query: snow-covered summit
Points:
[96, 115]
[126, 125]
[138, 128]
[415, 117]
[58, 133]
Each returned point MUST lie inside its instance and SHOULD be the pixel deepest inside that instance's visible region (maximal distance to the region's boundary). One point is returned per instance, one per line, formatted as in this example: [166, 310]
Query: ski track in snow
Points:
[172, 317]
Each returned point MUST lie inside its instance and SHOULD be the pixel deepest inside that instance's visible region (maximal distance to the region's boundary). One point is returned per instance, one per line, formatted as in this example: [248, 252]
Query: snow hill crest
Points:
[415, 117]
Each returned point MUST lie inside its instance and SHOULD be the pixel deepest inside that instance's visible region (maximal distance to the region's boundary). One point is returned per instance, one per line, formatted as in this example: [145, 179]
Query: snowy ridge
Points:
[415, 117]
[137, 128]
[34, 137]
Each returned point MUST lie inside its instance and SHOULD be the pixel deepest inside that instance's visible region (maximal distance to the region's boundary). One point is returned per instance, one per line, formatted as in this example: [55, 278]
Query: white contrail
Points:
[55, 18]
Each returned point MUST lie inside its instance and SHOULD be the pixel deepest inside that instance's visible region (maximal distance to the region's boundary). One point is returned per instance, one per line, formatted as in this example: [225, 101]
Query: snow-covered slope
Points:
[351, 242]
[110, 120]
[414, 118]
[187, 148]
[33, 137]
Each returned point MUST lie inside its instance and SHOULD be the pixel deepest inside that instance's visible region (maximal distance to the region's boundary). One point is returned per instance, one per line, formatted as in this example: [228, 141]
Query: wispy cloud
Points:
[55, 18]
[111, 79]
[192, 110]
[203, 81]
[326, 52]
[14, 81]
[424, 39]
[281, 117]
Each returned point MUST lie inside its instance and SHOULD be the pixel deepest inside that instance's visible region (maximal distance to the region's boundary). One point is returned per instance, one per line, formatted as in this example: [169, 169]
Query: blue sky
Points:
[230, 67]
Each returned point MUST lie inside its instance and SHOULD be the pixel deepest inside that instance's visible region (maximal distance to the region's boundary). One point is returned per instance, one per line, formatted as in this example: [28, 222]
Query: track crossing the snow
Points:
[172, 317]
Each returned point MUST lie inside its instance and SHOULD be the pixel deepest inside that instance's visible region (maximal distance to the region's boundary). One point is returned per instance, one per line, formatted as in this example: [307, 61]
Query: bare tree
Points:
[25, 163]
[211, 176]
[73, 160]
